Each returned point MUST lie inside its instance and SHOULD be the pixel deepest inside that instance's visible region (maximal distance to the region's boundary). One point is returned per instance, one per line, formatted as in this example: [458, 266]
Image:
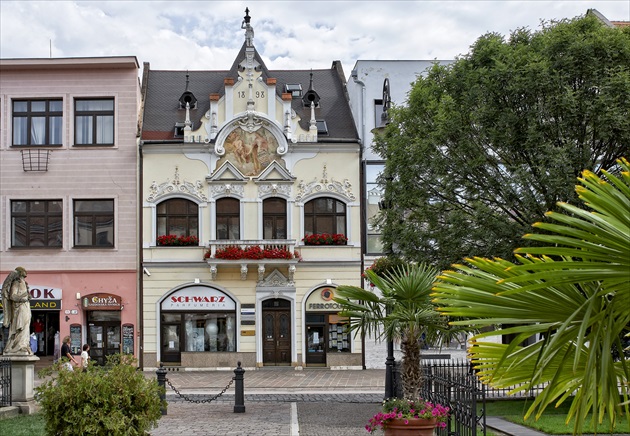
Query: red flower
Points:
[174, 240]
[325, 239]
[253, 252]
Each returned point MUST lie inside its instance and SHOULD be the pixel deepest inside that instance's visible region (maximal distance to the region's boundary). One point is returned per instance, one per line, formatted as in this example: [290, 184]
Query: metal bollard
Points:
[161, 379]
[239, 394]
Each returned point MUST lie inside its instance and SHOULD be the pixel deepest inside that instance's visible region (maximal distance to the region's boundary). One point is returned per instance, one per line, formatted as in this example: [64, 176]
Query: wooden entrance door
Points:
[276, 333]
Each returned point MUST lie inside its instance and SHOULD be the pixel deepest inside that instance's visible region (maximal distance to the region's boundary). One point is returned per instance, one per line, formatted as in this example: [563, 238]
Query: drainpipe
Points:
[363, 210]
[140, 310]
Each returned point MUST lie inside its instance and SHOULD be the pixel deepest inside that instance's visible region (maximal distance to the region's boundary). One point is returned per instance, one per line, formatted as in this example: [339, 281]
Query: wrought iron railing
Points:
[5, 382]
[454, 384]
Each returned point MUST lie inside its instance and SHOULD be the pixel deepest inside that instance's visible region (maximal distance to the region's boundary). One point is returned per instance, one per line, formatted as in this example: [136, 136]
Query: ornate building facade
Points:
[250, 216]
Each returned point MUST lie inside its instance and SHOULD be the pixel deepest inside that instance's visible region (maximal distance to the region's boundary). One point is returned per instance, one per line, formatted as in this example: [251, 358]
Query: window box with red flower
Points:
[254, 252]
[177, 241]
[325, 239]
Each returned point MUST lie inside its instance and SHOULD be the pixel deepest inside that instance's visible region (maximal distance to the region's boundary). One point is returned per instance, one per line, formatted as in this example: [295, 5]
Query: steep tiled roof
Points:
[164, 88]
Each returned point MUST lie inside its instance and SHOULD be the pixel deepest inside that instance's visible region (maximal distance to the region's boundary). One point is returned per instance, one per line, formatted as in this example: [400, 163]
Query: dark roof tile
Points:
[164, 88]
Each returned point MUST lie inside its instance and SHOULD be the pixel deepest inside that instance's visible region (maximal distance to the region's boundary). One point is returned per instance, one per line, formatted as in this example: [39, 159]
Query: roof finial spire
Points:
[249, 31]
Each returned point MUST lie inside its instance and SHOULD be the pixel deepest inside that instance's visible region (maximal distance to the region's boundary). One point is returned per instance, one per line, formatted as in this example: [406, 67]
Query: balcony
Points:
[259, 253]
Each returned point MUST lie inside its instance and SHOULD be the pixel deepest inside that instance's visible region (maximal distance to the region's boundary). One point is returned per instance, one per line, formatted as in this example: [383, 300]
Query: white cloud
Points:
[288, 34]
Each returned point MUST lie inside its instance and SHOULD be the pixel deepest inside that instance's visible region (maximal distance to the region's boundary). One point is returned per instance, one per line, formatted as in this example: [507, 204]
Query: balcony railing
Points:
[264, 244]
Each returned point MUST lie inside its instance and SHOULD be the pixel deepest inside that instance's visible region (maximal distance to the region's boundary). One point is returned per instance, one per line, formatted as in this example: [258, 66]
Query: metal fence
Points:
[5, 382]
[454, 384]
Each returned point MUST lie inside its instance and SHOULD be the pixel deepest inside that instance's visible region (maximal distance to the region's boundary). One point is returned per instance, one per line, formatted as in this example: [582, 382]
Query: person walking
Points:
[66, 352]
[85, 357]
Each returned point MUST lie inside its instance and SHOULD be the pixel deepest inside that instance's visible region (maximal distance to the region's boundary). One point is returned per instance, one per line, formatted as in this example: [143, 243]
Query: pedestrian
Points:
[65, 352]
[85, 357]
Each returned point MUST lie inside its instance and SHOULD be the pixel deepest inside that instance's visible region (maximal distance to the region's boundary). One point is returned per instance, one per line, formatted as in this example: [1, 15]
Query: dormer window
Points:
[310, 97]
[187, 98]
[295, 89]
[179, 130]
[322, 128]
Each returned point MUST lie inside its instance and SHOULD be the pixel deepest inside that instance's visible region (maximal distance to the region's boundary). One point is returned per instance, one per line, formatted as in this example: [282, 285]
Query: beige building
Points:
[68, 197]
[250, 216]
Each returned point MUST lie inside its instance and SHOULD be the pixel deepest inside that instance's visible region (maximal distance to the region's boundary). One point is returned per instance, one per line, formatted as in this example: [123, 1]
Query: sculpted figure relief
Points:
[17, 312]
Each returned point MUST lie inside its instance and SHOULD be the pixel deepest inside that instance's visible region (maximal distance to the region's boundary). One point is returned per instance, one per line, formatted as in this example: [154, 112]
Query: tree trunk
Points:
[410, 367]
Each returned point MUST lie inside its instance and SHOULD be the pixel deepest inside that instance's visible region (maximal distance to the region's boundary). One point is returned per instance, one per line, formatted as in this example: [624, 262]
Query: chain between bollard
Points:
[205, 400]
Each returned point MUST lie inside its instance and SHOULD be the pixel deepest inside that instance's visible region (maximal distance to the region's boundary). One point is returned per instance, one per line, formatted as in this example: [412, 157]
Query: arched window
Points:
[274, 218]
[178, 217]
[228, 218]
[324, 215]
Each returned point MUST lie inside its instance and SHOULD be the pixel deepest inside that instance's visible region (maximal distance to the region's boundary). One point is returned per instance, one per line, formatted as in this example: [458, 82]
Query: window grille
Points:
[35, 160]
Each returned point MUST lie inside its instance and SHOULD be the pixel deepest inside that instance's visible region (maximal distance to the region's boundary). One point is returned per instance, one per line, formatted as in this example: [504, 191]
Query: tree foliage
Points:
[486, 145]
[573, 291]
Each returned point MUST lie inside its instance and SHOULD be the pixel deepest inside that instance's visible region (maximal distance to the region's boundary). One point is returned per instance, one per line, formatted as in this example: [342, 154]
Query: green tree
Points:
[574, 292]
[404, 312]
[486, 145]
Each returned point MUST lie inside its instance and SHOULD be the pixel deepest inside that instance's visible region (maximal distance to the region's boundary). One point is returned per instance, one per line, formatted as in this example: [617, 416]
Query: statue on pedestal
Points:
[17, 313]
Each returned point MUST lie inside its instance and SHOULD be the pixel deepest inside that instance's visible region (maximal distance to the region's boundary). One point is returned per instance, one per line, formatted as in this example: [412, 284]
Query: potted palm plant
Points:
[403, 312]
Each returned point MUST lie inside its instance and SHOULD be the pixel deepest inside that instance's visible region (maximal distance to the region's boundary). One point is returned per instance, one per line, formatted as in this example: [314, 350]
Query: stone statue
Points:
[17, 313]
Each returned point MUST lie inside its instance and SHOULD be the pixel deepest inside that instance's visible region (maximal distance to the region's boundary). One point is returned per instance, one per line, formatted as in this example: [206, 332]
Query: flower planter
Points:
[413, 427]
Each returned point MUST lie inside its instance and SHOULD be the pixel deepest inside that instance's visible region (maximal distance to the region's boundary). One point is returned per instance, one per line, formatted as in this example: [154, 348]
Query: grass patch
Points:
[24, 425]
[552, 421]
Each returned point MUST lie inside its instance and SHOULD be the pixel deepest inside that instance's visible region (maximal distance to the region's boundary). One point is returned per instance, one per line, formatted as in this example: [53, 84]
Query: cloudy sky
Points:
[200, 35]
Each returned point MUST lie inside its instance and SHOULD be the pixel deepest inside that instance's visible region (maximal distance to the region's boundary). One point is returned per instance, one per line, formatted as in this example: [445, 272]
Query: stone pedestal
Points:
[22, 382]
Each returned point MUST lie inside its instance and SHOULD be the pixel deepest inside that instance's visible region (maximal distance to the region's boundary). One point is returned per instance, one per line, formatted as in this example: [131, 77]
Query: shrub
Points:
[112, 400]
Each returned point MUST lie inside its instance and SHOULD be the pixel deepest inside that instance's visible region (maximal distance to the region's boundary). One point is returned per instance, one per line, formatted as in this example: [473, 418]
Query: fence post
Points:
[239, 394]
[161, 379]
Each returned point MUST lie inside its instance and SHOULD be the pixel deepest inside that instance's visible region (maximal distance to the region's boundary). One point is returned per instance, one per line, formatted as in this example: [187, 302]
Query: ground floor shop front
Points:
[268, 323]
[94, 308]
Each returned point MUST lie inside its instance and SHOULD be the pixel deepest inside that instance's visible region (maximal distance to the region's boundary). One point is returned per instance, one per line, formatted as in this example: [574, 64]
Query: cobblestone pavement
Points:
[271, 414]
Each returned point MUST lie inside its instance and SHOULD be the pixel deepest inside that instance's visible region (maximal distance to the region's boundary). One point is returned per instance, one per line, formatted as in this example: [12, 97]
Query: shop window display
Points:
[209, 332]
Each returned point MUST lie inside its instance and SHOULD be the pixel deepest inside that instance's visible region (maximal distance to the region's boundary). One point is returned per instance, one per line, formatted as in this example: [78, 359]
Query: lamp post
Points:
[389, 370]
[383, 205]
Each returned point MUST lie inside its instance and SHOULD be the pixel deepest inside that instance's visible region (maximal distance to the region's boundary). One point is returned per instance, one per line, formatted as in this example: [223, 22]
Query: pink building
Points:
[68, 197]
